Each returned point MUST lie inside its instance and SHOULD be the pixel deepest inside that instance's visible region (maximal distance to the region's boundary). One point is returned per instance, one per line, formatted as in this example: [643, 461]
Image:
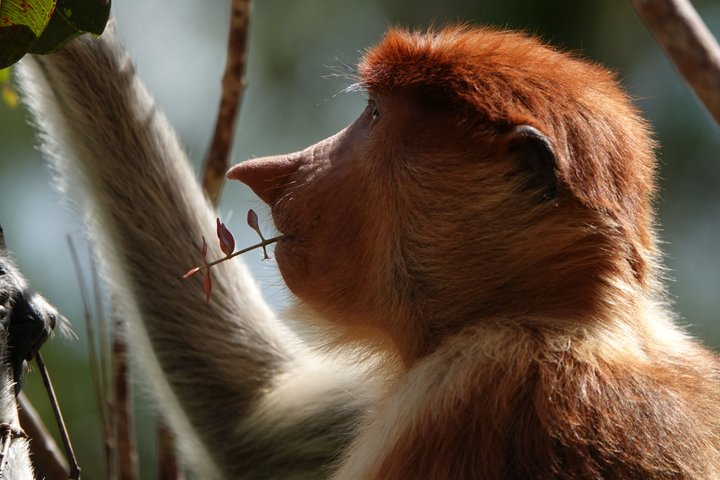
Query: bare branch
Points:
[98, 374]
[125, 439]
[168, 468]
[680, 31]
[45, 453]
[69, 452]
[233, 87]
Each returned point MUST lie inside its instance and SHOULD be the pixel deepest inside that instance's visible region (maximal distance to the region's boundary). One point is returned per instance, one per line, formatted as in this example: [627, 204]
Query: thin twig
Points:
[95, 370]
[74, 473]
[168, 467]
[107, 388]
[125, 439]
[98, 375]
[104, 342]
[233, 88]
[44, 452]
[263, 244]
[688, 42]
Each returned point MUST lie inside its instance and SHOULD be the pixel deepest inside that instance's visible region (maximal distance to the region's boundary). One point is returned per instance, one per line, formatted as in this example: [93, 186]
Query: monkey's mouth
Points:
[283, 237]
[283, 234]
[286, 230]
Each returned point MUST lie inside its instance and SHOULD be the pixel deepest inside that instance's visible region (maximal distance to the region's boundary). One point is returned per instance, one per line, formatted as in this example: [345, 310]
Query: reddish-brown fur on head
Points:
[504, 78]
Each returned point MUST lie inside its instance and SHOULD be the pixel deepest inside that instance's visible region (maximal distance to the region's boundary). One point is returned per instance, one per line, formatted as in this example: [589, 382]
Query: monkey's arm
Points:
[221, 371]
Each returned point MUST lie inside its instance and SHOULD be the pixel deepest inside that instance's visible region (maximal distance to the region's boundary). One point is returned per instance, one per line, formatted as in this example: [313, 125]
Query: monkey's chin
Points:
[288, 258]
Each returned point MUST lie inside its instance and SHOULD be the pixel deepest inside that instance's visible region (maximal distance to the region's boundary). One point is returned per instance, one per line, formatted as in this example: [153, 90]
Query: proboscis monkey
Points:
[486, 223]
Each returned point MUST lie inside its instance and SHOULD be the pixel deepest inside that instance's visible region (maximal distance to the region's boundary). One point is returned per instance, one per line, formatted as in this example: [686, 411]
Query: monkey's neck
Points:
[591, 303]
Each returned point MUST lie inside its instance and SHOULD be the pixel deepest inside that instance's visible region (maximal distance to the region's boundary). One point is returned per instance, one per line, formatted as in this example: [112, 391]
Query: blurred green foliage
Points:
[290, 103]
[44, 26]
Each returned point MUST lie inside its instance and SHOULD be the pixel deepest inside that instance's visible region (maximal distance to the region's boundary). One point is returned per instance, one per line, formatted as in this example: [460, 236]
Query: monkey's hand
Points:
[26, 319]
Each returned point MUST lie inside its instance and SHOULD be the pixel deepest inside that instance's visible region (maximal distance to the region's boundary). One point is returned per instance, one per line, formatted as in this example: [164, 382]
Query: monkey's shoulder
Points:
[494, 408]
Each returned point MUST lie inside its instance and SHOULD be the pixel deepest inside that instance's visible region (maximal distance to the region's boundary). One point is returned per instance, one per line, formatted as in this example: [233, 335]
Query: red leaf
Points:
[227, 241]
[252, 220]
[207, 286]
[203, 247]
[191, 272]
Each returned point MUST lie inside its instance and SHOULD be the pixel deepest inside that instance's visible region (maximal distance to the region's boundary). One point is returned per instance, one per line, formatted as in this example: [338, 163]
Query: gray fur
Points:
[213, 367]
[13, 287]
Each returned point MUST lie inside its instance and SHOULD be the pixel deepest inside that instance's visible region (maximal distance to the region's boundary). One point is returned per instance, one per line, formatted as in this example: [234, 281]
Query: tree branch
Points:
[45, 453]
[168, 468]
[233, 87]
[124, 432]
[688, 42]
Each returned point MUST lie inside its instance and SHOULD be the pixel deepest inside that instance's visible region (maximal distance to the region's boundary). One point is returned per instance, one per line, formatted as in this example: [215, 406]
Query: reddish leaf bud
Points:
[227, 241]
[252, 220]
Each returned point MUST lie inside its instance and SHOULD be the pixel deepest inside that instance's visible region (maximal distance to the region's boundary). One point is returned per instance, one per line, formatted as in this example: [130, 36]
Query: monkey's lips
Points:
[289, 258]
[290, 250]
[284, 234]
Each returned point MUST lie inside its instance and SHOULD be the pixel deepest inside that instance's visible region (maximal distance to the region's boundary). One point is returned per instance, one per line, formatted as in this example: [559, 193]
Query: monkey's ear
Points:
[535, 154]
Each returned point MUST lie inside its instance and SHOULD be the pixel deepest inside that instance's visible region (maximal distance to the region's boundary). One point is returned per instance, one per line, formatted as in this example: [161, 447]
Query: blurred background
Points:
[292, 101]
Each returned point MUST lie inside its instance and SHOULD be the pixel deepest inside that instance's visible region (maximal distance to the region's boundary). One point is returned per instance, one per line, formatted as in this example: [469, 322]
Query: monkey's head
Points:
[489, 176]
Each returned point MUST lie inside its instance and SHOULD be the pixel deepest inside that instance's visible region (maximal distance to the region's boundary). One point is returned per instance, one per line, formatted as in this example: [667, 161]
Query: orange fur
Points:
[532, 326]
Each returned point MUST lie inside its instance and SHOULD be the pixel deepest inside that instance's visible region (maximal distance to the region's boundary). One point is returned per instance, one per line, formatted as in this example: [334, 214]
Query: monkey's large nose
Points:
[265, 176]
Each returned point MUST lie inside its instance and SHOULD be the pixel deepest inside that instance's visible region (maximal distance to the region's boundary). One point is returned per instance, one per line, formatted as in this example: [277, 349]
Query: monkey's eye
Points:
[374, 110]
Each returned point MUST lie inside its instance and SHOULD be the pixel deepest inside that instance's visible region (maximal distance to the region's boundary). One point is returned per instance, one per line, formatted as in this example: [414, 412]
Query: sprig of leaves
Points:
[227, 245]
